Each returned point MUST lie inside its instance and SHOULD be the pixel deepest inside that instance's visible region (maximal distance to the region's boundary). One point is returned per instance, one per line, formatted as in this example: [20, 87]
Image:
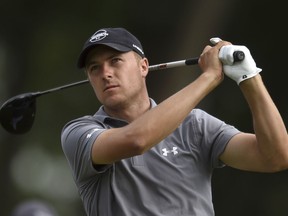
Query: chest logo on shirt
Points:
[171, 151]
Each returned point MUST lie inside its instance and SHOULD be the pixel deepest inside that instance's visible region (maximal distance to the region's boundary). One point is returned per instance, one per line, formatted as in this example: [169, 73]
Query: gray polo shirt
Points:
[171, 179]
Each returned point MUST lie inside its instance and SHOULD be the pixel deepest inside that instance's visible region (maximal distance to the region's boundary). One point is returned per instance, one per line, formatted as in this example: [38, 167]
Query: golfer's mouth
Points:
[111, 87]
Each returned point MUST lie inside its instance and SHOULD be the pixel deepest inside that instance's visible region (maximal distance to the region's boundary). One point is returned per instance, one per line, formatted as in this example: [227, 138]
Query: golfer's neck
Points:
[129, 111]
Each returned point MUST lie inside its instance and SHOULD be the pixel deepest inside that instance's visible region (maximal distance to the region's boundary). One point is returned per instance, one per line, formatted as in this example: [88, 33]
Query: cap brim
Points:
[86, 50]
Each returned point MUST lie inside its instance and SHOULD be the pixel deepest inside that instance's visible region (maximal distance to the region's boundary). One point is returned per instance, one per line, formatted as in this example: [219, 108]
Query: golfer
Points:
[136, 157]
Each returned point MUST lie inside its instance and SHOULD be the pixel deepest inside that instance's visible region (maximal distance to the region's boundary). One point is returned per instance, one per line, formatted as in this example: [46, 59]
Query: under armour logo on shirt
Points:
[166, 152]
[90, 134]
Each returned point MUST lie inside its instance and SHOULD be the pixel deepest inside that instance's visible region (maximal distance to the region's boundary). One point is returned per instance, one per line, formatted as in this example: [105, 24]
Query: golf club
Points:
[17, 114]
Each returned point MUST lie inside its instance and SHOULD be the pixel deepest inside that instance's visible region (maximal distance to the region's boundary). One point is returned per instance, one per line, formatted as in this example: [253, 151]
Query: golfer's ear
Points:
[144, 66]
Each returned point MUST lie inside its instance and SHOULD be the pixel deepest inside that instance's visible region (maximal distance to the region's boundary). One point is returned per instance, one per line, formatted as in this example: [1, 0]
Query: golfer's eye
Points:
[115, 60]
[93, 69]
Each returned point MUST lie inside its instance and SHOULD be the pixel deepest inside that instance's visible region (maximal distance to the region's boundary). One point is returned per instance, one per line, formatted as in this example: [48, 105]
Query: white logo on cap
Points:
[138, 48]
[99, 35]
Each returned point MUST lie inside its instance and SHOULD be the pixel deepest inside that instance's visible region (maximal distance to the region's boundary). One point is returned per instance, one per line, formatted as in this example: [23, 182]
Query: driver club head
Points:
[17, 114]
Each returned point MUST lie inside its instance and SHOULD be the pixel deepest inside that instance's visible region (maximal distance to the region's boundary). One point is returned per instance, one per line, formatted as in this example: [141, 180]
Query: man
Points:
[134, 157]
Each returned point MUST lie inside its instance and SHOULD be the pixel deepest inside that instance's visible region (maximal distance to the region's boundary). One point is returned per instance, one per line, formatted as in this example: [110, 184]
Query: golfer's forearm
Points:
[160, 121]
[268, 125]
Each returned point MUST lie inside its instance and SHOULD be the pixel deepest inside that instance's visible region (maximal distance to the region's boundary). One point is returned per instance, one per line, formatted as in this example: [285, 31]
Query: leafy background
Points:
[39, 45]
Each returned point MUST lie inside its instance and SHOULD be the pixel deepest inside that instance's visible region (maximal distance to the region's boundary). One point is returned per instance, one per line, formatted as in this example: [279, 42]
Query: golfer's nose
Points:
[107, 71]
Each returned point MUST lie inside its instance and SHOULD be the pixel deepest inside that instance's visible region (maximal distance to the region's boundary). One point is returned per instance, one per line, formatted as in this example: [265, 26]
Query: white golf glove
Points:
[240, 70]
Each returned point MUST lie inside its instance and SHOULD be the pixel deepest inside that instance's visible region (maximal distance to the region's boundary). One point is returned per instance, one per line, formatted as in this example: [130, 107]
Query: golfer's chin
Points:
[113, 102]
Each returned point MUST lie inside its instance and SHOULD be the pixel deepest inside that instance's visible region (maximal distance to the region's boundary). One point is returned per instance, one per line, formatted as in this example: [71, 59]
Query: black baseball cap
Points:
[117, 38]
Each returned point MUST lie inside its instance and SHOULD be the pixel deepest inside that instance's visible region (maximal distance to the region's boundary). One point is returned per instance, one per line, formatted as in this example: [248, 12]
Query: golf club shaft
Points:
[238, 56]
[191, 61]
[62, 87]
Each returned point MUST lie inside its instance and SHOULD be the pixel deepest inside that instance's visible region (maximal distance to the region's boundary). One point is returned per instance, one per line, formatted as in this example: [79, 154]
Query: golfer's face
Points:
[116, 77]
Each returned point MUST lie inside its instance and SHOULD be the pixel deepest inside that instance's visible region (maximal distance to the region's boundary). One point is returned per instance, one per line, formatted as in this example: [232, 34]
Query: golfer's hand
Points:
[210, 63]
[241, 70]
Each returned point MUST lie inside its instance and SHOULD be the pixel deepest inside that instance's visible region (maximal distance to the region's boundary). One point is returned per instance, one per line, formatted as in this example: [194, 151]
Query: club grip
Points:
[238, 56]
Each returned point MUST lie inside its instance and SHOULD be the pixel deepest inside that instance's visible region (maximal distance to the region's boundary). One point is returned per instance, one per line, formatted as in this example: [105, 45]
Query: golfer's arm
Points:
[267, 150]
[153, 126]
[269, 127]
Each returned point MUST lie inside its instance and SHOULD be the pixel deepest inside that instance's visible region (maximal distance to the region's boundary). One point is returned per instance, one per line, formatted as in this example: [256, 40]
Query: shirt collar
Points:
[114, 122]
